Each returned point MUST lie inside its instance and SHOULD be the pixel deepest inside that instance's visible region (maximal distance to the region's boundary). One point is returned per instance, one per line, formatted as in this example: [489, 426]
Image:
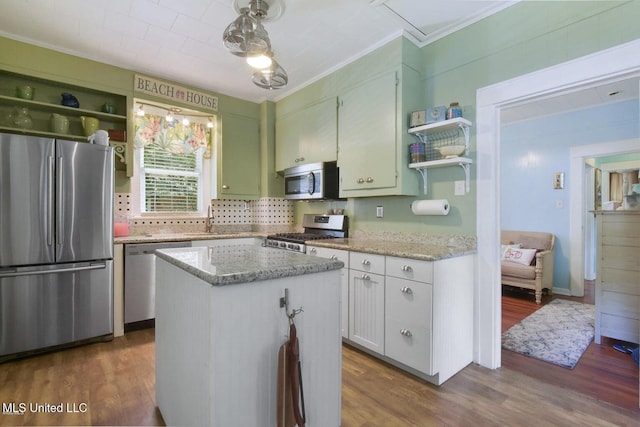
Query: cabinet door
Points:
[408, 324]
[238, 158]
[343, 256]
[367, 136]
[308, 135]
[366, 310]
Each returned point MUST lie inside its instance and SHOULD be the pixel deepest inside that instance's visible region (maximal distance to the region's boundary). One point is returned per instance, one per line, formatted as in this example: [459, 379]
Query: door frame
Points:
[617, 63]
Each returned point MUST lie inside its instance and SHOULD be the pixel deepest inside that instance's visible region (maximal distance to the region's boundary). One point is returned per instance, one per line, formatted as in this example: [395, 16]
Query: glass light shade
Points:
[244, 37]
[273, 77]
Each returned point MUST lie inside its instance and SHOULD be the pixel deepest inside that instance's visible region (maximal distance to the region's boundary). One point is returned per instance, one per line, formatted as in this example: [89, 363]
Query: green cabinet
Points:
[307, 135]
[237, 156]
[46, 101]
[372, 135]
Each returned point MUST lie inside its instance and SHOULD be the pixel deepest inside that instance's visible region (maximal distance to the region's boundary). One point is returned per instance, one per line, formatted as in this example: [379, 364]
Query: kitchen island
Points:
[219, 325]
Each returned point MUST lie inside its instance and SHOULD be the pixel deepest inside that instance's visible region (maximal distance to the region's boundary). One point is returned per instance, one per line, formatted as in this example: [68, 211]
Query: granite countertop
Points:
[232, 264]
[425, 250]
[180, 237]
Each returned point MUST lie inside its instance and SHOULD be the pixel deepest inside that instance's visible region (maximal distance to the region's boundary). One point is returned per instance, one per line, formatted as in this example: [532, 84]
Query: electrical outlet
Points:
[559, 204]
[379, 212]
[459, 188]
[558, 180]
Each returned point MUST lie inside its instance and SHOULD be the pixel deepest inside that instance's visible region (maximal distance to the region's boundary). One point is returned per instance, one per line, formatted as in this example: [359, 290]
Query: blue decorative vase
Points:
[69, 100]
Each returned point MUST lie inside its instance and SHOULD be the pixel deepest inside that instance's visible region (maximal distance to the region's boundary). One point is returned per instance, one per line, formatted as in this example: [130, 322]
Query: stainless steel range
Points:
[316, 227]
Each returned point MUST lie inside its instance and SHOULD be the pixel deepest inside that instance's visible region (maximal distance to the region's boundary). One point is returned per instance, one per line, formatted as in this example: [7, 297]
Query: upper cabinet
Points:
[33, 106]
[307, 135]
[237, 156]
[372, 137]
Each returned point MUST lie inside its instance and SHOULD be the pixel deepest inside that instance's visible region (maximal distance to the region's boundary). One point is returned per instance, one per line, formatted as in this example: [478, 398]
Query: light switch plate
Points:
[379, 212]
[558, 180]
[459, 189]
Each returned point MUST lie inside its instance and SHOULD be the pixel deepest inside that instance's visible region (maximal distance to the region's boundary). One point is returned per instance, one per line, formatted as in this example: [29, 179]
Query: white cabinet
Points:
[408, 313]
[307, 135]
[343, 256]
[366, 300]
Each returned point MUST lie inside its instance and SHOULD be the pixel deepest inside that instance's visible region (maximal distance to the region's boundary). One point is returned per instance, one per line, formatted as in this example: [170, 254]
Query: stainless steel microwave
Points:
[312, 181]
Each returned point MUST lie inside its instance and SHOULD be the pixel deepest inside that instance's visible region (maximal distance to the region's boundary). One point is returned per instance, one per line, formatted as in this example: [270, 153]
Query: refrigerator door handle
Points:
[16, 272]
[60, 202]
[50, 203]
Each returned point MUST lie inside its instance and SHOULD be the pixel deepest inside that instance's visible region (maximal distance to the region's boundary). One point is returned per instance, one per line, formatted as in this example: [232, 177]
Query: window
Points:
[172, 164]
[170, 182]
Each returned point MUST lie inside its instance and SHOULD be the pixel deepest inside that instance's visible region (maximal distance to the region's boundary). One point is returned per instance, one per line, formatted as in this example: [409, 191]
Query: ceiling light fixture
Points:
[246, 37]
[272, 77]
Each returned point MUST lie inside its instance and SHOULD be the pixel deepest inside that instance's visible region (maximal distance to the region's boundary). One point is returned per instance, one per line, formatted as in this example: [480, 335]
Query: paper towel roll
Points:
[430, 207]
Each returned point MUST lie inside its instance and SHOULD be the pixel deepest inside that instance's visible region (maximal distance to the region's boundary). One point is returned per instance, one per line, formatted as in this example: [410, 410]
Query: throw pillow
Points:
[521, 256]
[503, 248]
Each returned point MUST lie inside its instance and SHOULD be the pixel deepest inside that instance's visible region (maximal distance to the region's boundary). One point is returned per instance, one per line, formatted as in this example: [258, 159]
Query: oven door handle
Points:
[311, 180]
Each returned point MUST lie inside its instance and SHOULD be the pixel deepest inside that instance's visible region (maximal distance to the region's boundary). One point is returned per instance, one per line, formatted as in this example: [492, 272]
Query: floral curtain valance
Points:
[173, 136]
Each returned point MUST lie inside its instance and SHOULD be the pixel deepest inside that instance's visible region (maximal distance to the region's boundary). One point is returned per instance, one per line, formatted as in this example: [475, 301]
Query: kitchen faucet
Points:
[208, 226]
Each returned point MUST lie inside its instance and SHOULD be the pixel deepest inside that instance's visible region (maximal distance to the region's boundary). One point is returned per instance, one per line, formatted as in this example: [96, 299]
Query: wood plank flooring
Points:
[116, 381]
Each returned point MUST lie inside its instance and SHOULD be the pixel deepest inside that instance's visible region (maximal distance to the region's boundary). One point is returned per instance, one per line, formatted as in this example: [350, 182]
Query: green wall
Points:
[520, 39]
[47, 64]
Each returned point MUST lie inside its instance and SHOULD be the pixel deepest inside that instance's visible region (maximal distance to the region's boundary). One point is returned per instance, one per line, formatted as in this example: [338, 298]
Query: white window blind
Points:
[170, 182]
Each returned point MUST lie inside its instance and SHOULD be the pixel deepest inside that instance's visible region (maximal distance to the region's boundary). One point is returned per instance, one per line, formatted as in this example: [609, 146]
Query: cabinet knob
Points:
[405, 332]
[365, 277]
[406, 290]
[333, 258]
[313, 251]
[299, 159]
[369, 179]
[366, 262]
[225, 187]
[407, 268]
[360, 180]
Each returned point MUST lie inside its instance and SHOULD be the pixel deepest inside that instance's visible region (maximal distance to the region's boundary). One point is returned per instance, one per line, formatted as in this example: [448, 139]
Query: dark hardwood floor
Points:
[602, 372]
[116, 382]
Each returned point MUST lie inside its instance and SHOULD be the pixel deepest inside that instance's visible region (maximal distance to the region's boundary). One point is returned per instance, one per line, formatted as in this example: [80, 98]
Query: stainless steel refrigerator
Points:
[56, 243]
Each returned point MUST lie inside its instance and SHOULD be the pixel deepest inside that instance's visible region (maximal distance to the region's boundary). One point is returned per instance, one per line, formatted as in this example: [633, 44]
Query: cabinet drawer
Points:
[408, 301]
[619, 304]
[330, 253]
[371, 263]
[409, 343]
[411, 269]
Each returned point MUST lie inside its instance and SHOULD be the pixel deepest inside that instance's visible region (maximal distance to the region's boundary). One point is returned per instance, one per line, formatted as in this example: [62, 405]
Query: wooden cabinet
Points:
[366, 300]
[617, 275]
[343, 256]
[372, 135]
[237, 157]
[408, 313]
[308, 135]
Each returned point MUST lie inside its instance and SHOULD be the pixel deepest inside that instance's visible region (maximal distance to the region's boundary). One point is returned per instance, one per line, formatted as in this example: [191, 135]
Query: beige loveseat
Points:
[539, 274]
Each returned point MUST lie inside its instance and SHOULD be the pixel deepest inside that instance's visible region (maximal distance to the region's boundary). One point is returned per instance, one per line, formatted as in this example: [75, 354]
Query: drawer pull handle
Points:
[313, 250]
[365, 277]
[333, 258]
[366, 262]
[405, 332]
[407, 268]
[406, 290]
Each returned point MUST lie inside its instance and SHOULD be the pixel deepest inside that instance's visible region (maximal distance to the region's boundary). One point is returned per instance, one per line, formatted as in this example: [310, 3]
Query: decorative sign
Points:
[174, 92]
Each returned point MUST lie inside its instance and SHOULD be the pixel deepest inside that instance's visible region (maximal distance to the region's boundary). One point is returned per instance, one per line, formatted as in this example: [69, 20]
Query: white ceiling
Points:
[181, 40]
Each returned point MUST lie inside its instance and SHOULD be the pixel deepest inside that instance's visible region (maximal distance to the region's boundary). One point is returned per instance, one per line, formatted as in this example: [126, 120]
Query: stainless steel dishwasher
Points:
[140, 281]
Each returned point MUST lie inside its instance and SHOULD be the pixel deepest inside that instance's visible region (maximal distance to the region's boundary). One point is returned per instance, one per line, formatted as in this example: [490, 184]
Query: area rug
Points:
[558, 333]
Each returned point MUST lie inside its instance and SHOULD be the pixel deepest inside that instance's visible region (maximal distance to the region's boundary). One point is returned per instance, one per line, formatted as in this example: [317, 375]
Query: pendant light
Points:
[272, 77]
[246, 37]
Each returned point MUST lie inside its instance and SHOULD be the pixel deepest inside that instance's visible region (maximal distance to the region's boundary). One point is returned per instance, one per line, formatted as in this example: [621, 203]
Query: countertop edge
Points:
[307, 266]
[422, 252]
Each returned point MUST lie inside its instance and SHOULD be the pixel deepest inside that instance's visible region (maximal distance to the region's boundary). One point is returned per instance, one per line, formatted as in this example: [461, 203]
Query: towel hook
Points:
[284, 302]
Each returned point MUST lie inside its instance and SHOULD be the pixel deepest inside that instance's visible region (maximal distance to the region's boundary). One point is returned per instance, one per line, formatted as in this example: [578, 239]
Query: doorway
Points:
[621, 62]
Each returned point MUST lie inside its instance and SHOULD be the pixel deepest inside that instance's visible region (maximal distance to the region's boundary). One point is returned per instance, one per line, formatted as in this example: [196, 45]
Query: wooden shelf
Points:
[61, 109]
[442, 126]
